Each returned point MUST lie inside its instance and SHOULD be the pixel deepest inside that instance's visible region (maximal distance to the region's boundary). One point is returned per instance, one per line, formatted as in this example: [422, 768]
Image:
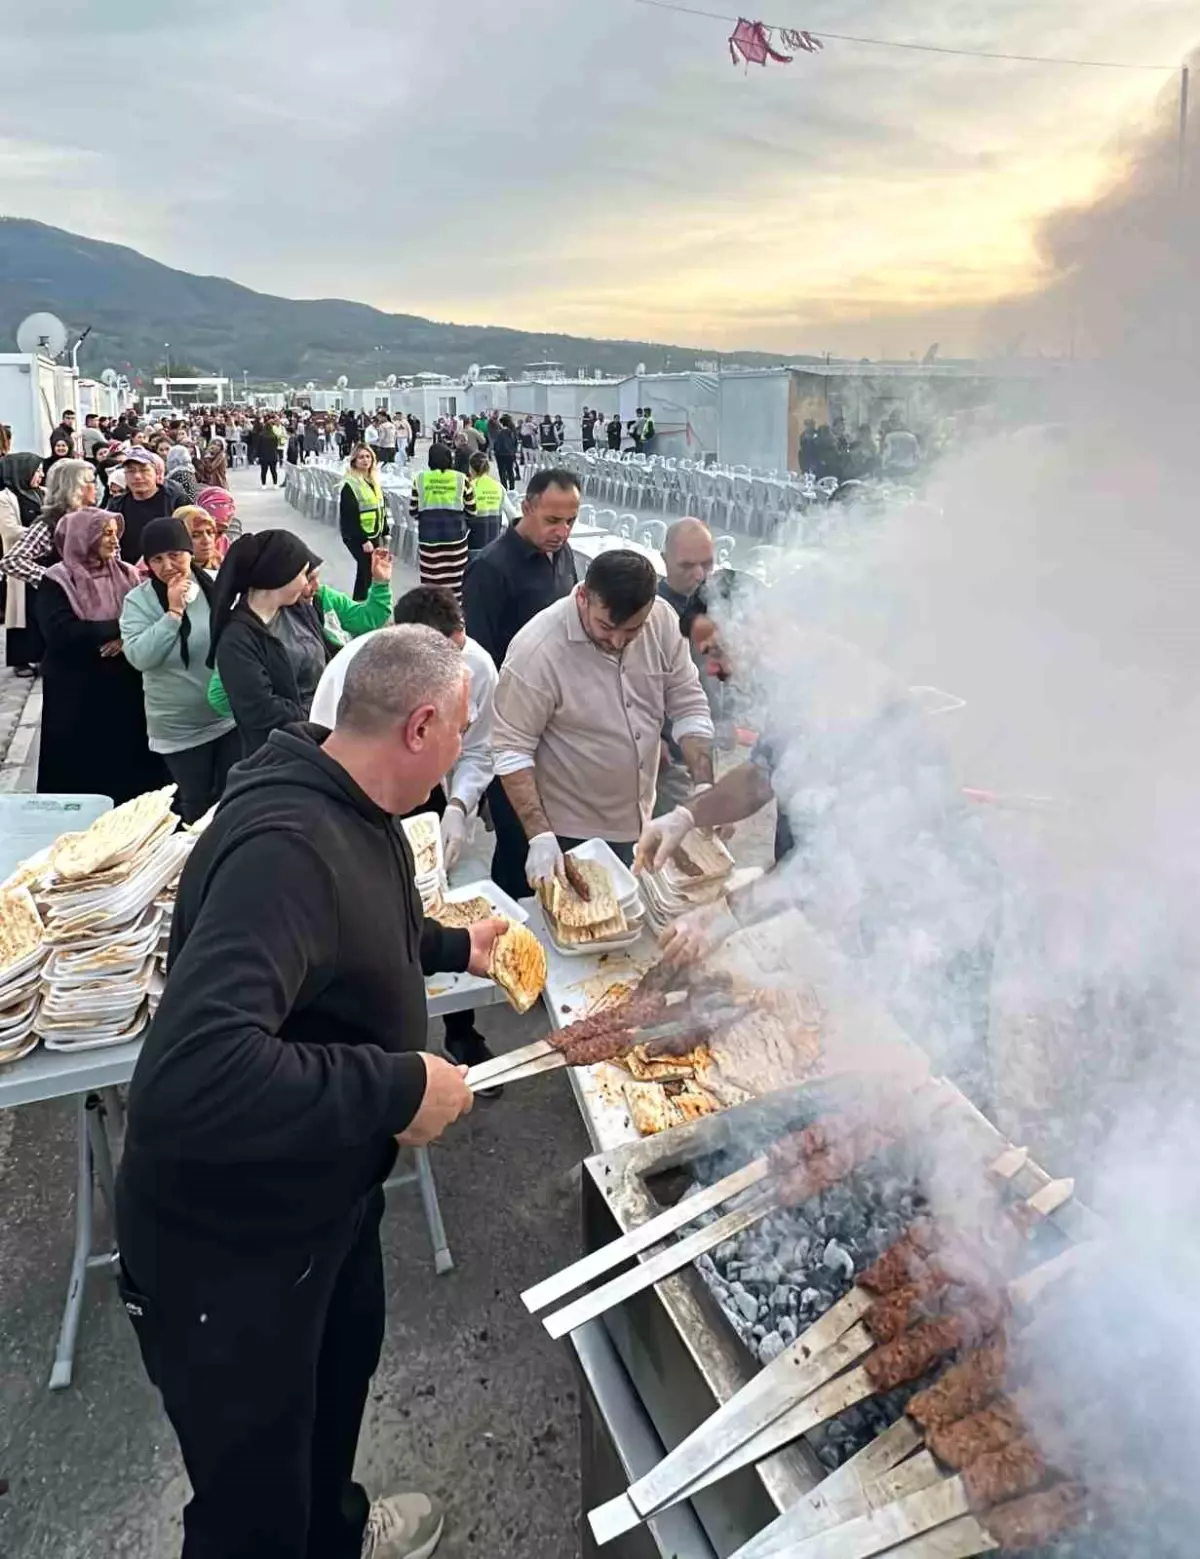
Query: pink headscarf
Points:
[94, 589]
[219, 503]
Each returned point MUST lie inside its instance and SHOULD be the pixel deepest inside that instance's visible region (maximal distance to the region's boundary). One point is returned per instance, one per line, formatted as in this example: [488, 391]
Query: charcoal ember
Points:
[770, 1347]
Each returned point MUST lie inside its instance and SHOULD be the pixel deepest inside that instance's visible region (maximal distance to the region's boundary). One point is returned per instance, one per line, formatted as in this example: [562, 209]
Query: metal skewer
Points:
[769, 1412]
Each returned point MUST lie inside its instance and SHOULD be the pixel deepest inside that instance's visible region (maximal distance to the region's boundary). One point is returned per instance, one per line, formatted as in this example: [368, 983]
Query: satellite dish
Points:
[342, 381]
[109, 377]
[391, 381]
[41, 333]
[311, 385]
[472, 373]
[640, 369]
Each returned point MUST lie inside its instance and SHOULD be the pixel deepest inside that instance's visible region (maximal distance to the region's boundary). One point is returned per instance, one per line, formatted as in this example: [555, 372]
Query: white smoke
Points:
[1046, 950]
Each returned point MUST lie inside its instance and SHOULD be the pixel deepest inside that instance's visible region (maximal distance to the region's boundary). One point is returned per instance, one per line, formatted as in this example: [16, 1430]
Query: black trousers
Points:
[264, 1361]
[387, 457]
[506, 467]
[480, 532]
[269, 462]
[201, 772]
[508, 862]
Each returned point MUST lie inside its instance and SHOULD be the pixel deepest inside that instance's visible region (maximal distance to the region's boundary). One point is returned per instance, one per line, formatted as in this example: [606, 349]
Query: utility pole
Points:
[1183, 126]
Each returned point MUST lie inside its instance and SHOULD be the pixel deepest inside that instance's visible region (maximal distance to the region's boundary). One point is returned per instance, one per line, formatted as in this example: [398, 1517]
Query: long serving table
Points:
[92, 1079]
[619, 1441]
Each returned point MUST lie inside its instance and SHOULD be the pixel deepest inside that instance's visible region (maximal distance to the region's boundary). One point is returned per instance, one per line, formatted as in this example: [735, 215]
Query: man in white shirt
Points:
[459, 795]
[586, 687]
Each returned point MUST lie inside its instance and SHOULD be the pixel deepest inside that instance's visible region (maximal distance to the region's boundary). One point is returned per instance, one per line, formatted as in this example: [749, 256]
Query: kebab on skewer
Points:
[762, 1418]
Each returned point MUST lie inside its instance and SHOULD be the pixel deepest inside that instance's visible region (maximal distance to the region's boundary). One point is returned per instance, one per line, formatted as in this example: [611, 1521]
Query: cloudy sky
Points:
[595, 166]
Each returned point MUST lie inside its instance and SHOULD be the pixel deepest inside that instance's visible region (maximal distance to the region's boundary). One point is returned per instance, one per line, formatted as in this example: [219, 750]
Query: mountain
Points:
[135, 305]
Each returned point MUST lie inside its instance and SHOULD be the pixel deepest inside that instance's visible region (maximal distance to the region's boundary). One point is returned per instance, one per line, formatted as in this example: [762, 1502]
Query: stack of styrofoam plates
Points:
[424, 833]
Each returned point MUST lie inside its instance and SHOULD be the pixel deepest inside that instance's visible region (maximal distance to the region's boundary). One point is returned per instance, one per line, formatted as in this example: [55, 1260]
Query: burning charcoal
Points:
[771, 1347]
[780, 1297]
[809, 1299]
[788, 1329]
[837, 1257]
[746, 1303]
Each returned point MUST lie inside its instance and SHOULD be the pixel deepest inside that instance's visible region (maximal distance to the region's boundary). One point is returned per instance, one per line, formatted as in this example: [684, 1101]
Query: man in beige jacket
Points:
[583, 694]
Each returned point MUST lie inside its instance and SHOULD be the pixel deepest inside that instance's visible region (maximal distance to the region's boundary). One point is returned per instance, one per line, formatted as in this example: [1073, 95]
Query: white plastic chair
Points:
[651, 533]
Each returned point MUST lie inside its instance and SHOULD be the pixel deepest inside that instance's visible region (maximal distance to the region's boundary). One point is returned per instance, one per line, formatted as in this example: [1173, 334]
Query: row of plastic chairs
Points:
[315, 490]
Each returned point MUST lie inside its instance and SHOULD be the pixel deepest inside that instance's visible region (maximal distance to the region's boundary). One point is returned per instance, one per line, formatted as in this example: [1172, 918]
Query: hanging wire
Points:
[921, 48]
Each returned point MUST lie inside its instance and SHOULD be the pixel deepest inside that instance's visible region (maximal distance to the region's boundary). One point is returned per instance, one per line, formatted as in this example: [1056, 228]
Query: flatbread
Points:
[701, 857]
[518, 966]
[586, 936]
[653, 1109]
[464, 913]
[21, 929]
[113, 836]
[660, 1069]
[568, 909]
[425, 842]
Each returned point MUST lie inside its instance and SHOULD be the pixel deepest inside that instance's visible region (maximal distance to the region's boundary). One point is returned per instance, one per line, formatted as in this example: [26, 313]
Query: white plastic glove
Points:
[454, 834]
[544, 859]
[660, 839]
[694, 935]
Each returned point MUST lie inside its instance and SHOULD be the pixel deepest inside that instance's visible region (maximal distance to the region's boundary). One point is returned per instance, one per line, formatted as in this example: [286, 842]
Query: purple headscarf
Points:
[94, 589]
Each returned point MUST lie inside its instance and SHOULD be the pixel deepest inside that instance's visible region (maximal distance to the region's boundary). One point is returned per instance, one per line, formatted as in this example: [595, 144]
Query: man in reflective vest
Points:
[489, 505]
[443, 500]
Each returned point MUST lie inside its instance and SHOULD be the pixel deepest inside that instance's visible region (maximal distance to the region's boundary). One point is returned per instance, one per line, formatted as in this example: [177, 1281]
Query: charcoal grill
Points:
[678, 1347]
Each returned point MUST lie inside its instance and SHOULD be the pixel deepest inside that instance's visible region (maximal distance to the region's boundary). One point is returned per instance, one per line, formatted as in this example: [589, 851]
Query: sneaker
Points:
[403, 1526]
[469, 1050]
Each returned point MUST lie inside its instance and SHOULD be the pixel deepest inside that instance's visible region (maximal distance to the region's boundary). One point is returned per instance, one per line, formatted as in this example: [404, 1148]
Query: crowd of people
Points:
[831, 450]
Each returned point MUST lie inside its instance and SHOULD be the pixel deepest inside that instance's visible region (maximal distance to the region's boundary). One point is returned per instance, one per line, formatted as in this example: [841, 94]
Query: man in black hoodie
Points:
[284, 1061]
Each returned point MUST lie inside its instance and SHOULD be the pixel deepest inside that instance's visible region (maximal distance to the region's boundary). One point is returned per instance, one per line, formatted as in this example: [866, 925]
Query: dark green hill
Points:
[134, 305]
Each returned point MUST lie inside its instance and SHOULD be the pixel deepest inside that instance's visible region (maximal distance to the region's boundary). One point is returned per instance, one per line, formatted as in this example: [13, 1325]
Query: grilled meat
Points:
[894, 1313]
[904, 1262]
[990, 1429]
[963, 1389]
[826, 1167]
[896, 1363]
[1016, 1468]
[1038, 1518]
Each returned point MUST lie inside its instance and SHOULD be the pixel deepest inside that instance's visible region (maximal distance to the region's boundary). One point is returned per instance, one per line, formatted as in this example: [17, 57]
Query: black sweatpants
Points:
[201, 772]
[362, 570]
[268, 460]
[508, 862]
[264, 1361]
[506, 469]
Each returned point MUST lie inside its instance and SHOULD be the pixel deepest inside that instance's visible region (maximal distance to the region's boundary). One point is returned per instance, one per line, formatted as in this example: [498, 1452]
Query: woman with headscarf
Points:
[70, 486]
[267, 642]
[20, 505]
[220, 503]
[181, 473]
[212, 468]
[202, 529]
[93, 718]
[165, 628]
[362, 515]
[60, 449]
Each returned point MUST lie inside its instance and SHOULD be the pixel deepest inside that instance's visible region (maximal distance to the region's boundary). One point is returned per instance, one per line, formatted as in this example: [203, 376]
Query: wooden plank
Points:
[653, 1232]
[653, 1270]
[1051, 1197]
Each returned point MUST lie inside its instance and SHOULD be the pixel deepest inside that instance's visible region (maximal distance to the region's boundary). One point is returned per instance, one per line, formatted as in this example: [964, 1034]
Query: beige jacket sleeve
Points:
[523, 709]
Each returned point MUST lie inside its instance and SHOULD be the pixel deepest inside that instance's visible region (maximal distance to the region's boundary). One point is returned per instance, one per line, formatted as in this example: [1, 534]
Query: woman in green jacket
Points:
[165, 634]
[342, 618]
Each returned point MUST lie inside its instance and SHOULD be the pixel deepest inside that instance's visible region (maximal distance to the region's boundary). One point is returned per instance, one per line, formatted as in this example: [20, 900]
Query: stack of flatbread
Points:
[575, 923]
[696, 874]
[101, 900]
[424, 834]
[462, 913]
[22, 953]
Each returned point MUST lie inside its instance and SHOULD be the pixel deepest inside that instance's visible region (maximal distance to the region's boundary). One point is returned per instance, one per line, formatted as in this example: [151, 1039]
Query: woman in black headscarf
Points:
[267, 642]
[20, 506]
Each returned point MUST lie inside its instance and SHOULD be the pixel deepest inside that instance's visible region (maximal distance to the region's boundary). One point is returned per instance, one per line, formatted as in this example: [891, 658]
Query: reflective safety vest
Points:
[489, 497]
[372, 511]
[440, 490]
